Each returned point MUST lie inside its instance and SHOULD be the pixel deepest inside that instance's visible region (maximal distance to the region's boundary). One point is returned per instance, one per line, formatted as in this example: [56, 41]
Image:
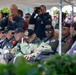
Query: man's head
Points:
[19, 34]
[2, 36]
[73, 29]
[9, 32]
[27, 17]
[49, 31]
[20, 13]
[30, 35]
[13, 10]
[66, 30]
[43, 8]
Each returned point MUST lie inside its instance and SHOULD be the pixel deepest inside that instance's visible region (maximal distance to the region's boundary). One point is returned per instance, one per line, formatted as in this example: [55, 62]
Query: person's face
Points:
[9, 34]
[13, 10]
[65, 31]
[43, 9]
[2, 35]
[39, 12]
[27, 18]
[49, 33]
[31, 38]
[18, 36]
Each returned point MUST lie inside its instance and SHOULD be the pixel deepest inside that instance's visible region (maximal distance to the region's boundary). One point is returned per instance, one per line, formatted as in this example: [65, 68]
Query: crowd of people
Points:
[34, 35]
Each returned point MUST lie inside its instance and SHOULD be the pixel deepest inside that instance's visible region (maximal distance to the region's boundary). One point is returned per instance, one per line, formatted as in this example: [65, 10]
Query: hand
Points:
[0, 16]
[35, 49]
[6, 51]
[11, 19]
[28, 56]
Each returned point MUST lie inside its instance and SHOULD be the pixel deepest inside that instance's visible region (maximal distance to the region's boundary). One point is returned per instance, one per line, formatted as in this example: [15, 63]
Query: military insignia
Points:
[69, 40]
[48, 26]
[49, 19]
[41, 22]
[13, 42]
[53, 40]
[5, 28]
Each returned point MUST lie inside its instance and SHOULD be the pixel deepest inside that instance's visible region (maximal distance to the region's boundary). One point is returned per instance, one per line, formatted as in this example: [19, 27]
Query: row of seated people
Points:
[26, 43]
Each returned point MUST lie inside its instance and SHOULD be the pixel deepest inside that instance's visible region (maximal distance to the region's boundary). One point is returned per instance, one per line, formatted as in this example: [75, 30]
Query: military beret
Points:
[18, 30]
[49, 27]
[67, 25]
[28, 33]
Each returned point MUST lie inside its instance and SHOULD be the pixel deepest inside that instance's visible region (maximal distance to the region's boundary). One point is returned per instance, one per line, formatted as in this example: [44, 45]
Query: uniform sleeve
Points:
[66, 46]
[32, 19]
[54, 44]
[43, 46]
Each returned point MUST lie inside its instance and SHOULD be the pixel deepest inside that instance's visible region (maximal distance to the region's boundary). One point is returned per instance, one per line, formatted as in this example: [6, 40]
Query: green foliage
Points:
[55, 12]
[66, 12]
[5, 10]
[55, 65]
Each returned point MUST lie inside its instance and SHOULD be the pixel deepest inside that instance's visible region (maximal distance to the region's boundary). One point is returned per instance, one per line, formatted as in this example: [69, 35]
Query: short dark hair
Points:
[74, 25]
[27, 14]
[20, 11]
[43, 6]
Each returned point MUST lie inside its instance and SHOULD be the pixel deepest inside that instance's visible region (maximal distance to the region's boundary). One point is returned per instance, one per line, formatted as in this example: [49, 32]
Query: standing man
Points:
[40, 22]
[13, 20]
[46, 14]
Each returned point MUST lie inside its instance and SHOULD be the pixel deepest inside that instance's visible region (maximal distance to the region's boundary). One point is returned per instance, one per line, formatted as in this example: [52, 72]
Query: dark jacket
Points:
[19, 22]
[40, 22]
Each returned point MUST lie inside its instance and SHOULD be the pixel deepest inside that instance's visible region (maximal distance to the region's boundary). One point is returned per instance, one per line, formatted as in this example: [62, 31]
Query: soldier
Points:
[19, 33]
[66, 38]
[9, 53]
[73, 33]
[50, 43]
[50, 39]
[27, 47]
[32, 42]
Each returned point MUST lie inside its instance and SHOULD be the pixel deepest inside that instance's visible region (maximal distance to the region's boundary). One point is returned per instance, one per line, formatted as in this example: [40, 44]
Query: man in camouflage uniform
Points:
[66, 38]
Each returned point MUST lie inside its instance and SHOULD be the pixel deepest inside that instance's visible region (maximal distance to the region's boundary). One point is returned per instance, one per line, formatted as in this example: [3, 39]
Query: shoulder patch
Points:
[69, 40]
[53, 40]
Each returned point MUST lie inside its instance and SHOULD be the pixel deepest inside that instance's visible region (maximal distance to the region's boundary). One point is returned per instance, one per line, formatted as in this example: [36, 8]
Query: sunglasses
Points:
[49, 31]
[26, 17]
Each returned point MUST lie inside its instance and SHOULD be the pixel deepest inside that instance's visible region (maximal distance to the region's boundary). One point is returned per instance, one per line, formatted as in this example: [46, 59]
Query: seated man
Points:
[73, 33]
[50, 39]
[31, 42]
[67, 40]
[50, 43]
